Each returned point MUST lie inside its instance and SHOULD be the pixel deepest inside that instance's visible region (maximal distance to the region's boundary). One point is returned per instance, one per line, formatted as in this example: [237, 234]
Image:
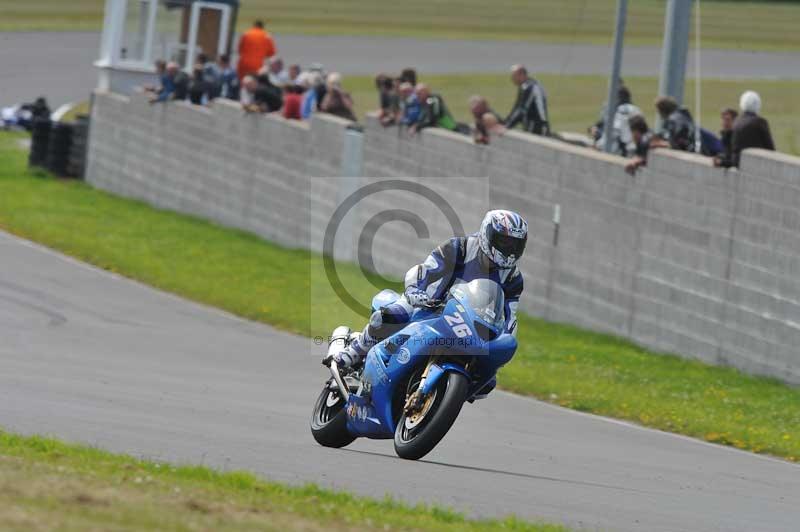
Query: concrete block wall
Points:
[446, 165]
[682, 257]
[241, 170]
[673, 257]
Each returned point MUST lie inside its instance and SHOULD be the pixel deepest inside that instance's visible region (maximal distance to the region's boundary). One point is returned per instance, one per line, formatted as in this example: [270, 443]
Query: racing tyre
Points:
[417, 435]
[329, 420]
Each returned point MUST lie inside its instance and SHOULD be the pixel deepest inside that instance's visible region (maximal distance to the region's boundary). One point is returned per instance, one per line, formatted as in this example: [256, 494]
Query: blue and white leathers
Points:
[459, 259]
[456, 260]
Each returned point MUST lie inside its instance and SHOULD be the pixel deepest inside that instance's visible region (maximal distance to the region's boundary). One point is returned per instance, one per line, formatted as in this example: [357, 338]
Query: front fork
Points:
[339, 340]
[415, 400]
[337, 378]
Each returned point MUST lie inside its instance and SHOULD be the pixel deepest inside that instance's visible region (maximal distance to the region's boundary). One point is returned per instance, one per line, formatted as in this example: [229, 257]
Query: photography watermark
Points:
[374, 222]
[366, 233]
[422, 342]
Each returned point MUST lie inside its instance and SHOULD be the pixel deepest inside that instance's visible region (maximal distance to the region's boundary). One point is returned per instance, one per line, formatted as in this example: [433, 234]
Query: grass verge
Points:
[49, 485]
[249, 277]
[575, 101]
[80, 108]
[733, 24]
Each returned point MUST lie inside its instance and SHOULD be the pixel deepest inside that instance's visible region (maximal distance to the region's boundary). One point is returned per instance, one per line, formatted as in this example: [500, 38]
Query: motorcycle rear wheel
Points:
[329, 420]
[413, 439]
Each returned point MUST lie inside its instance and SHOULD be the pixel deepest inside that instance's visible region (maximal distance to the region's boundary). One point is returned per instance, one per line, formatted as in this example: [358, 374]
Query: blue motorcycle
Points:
[413, 384]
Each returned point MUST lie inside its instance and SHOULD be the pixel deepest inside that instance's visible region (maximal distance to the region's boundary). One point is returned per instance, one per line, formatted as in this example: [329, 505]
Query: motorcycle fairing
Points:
[369, 411]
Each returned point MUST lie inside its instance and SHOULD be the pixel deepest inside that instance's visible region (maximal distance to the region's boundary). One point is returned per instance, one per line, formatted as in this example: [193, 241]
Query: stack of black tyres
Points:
[40, 141]
[76, 164]
[58, 148]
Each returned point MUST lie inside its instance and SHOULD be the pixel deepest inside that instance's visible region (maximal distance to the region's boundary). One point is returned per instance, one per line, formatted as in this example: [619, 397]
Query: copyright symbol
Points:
[365, 241]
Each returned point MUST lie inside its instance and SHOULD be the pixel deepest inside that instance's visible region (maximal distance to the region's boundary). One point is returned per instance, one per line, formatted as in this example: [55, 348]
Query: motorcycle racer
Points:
[491, 253]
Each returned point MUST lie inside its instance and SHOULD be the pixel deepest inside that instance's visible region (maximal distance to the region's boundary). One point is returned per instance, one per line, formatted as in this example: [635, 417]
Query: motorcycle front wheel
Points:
[417, 435]
[329, 420]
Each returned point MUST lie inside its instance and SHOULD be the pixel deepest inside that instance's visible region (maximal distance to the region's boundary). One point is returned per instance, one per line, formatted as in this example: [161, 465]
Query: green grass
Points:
[49, 485]
[575, 101]
[80, 108]
[249, 277]
[726, 24]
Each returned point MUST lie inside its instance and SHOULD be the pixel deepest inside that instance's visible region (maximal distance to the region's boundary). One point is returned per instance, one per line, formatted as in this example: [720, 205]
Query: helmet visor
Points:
[507, 245]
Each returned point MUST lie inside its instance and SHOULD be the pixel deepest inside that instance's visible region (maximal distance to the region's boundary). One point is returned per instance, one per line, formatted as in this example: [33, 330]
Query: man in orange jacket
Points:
[255, 45]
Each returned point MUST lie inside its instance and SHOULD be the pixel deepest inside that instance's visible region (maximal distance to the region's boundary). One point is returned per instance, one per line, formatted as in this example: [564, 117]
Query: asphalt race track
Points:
[59, 64]
[90, 357]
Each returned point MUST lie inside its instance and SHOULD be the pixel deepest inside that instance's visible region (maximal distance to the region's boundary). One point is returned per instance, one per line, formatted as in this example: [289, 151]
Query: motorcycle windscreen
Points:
[485, 298]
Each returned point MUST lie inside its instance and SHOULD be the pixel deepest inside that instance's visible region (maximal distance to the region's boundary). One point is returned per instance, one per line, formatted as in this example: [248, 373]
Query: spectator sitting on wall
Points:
[228, 80]
[485, 119]
[679, 129]
[433, 112]
[175, 84]
[409, 104]
[309, 81]
[293, 72]
[727, 117]
[320, 87]
[211, 74]
[292, 102]
[268, 97]
[677, 126]
[710, 144]
[247, 94]
[308, 103]
[749, 130]
[409, 75]
[181, 83]
[200, 90]
[387, 99]
[530, 108]
[642, 139]
[161, 73]
[622, 141]
[336, 101]
[255, 45]
[596, 130]
[493, 125]
[277, 74]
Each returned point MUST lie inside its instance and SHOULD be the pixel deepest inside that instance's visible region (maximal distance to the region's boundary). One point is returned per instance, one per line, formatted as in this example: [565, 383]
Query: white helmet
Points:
[502, 237]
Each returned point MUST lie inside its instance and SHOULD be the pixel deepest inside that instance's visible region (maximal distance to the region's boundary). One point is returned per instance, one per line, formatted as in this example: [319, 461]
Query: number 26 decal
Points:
[456, 322]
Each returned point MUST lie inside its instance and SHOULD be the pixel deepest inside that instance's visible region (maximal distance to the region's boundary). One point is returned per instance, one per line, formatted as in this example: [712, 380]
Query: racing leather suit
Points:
[458, 259]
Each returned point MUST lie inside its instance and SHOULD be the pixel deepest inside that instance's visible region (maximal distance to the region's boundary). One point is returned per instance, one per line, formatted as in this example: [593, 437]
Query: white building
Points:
[137, 33]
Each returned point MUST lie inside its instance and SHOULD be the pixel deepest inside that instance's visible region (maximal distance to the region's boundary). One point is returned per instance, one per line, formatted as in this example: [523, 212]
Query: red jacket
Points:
[292, 102]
